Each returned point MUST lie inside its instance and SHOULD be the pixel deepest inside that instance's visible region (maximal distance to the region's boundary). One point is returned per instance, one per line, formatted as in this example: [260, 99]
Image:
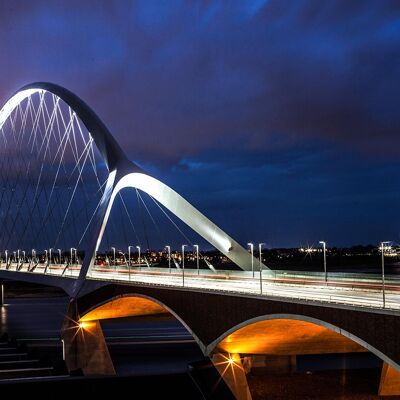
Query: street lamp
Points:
[169, 258]
[49, 263]
[129, 261]
[138, 247]
[196, 246]
[259, 249]
[6, 253]
[46, 260]
[252, 258]
[115, 264]
[73, 250]
[129, 254]
[139, 258]
[383, 272]
[18, 256]
[183, 264]
[59, 256]
[324, 250]
[33, 259]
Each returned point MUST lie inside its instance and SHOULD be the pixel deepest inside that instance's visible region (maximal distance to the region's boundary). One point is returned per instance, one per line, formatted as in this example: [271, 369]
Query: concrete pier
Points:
[85, 346]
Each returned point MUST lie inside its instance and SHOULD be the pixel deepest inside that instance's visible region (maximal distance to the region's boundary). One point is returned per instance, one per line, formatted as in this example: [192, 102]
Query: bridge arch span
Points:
[122, 172]
[105, 142]
[284, 324]
[213, 317]
[134, 304]
[180, 207]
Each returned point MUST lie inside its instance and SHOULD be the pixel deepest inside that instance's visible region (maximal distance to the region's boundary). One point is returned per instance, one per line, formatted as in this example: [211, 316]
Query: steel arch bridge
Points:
[48, 130]
[61, 173]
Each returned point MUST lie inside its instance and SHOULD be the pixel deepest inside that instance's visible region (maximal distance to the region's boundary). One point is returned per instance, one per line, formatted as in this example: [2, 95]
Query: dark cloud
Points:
[261, 96]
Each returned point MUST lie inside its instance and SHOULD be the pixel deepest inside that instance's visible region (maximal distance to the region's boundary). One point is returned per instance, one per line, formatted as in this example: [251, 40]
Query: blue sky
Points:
[278, 119]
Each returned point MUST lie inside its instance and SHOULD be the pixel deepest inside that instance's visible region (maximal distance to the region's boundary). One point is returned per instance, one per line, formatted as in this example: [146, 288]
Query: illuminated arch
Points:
[105, 142]
[124, 173]
[185, 212]
[133, 304]
[212, 347]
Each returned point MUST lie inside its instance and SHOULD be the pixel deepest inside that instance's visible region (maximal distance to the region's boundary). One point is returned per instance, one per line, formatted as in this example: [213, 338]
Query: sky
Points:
[277, 119]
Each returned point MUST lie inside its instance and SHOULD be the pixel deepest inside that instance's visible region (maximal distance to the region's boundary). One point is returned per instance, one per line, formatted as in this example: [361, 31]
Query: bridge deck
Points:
[359, 293]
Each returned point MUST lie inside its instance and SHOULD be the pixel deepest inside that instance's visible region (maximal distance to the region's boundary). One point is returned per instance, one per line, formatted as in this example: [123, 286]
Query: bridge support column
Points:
[390, 381]
[231, 369]
[85, 346]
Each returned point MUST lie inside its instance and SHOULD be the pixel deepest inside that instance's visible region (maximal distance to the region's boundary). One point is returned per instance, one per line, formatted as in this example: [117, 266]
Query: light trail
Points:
[235, 282]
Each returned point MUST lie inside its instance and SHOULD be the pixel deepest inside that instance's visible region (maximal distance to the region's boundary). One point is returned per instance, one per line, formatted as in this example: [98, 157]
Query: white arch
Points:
[123, 174]
[175, 203]
[297, 317]
[14, 101]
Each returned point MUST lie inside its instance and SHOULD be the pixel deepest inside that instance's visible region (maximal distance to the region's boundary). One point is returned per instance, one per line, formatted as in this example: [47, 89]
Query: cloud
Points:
[187, 77]
[272, 87]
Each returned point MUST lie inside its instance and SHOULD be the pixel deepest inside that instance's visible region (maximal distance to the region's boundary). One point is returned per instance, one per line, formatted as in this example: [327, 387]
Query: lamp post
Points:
[23, 256]
[252, 258]
[129, 254]
[259, 249]
[46, 260]
[6, 253]
[50, 250]
[59, 256]
[72, 249]
[196, 246]
[324, 251]
[138, 248]
[114, 261]
[18, 256]
[383, 272]
[33, 259]
[169, 258]
[183, 264]
[129, 261]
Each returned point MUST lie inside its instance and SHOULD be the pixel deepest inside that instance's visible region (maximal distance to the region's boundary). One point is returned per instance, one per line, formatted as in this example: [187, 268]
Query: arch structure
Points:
[123, 173]
[268, 340]
[133, 305]
[291, 334]
[274, 341]
[272, 334]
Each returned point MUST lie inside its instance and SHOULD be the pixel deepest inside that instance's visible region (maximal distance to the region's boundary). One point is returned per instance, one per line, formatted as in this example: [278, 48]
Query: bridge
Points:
[62, 177]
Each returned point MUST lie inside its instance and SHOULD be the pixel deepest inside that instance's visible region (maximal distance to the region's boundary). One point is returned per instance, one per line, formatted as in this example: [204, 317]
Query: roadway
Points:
[360, 294]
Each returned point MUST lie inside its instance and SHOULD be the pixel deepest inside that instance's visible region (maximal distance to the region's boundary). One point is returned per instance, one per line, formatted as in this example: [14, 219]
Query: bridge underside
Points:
[287, 337]
[212, 317]
[276, 331]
